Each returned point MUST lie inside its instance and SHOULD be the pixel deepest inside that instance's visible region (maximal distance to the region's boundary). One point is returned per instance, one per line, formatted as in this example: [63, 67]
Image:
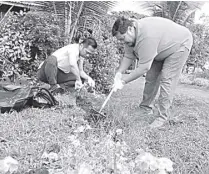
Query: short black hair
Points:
[90, 41]
[121, 25]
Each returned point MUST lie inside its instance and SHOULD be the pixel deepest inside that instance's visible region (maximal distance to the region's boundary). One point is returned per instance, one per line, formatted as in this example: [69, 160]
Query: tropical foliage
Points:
[199, 54]
[24, 37]
[27, 38]
[181, 12]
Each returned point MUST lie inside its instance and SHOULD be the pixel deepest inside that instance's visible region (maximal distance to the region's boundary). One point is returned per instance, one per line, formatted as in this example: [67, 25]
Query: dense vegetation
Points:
[27, 38]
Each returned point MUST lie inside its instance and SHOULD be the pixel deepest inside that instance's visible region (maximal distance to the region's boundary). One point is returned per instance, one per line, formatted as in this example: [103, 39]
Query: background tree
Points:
[181, 12]
[199, 53]
[78, 15]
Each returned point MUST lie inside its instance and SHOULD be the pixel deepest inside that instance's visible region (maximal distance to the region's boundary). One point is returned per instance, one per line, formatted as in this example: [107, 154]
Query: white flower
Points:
[132, 164]
[76, 143]
[148, 157]
[165, 163]
[85, 169]
[110, 143]
[119, 131]
[147, 160]
[88, 127]
[153, 165]
[8, 164]
[72, 137]
[44, 155]
[51, 157]
[80, 129]
[162, 172]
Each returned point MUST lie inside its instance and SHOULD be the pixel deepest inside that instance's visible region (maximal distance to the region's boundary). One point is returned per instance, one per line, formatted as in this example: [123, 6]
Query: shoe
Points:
[141, 114]
[55, 89]
[145, 111]
[158, 122]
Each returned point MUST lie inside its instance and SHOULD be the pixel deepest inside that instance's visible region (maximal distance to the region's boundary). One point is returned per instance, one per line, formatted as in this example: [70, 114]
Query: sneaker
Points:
[158, 122]
[145, 111]
[143, 114]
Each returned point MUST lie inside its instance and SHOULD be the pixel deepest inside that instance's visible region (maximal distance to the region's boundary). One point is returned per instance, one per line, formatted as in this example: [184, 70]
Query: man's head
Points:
[87, 47]
[124, 30]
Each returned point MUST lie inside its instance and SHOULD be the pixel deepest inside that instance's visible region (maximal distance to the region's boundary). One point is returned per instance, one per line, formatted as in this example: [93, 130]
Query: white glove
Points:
[118, 76]
[118, 85]
[118, 82]
[91, 82]
[78, 84]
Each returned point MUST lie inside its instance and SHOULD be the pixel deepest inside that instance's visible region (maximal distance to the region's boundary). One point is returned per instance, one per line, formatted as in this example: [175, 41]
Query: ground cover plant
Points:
[195, 79]
[82, 147]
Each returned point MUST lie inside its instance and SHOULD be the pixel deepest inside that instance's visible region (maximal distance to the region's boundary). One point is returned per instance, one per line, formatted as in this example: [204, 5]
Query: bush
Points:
[186, 79]
[201, 82]
[193, 80]
[19, 34]
[102, 66]
[204, 74]
[44, 31]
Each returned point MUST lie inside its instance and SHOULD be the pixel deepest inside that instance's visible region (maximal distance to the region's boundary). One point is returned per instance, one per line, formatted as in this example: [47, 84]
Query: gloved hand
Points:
[91, 82]
[118, 85]
[118, 82]
[78, 84]
[118, 76]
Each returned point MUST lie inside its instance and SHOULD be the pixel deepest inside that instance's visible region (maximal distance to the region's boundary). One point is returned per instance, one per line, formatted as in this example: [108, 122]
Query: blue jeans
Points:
[164, 76]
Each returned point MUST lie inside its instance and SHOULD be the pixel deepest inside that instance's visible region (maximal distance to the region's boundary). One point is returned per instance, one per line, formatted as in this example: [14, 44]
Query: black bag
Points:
[16, 98]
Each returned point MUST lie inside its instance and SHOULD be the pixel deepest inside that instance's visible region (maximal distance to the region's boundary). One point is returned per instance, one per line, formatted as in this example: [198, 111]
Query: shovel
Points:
[103, 105]
[106, 100]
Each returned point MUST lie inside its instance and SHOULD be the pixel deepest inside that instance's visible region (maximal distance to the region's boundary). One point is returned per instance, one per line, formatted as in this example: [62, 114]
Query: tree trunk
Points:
[188, 16]
[174, 16]
[76, 21]
[66, 22]
[6, 14]
[69, 20]
[55, 10]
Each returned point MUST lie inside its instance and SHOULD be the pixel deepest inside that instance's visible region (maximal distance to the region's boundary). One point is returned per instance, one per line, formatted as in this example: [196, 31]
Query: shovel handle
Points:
[106, 100]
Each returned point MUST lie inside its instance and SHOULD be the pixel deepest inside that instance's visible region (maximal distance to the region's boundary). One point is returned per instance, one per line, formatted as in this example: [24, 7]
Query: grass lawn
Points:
[184, 140]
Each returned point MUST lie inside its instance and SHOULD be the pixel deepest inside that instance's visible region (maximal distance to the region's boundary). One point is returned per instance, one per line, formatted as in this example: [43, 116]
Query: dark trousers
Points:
[51, 74]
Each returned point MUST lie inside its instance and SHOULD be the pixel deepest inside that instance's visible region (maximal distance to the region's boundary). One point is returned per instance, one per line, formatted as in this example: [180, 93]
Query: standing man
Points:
[66, 65]
[162, 48]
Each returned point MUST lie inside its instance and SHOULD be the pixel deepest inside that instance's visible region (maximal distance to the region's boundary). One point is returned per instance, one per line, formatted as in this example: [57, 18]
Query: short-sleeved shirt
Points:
[157, 38]
[67, 56]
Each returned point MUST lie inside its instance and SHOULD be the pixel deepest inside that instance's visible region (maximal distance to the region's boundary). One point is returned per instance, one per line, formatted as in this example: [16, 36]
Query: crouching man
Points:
[66, 66]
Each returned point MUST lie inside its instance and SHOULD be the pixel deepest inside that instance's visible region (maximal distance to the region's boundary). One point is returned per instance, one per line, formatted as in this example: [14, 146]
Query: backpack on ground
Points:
[13, 97]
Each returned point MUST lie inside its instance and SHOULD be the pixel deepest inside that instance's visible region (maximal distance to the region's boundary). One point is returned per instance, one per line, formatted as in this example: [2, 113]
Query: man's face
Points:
[129, 37]
[86, 52]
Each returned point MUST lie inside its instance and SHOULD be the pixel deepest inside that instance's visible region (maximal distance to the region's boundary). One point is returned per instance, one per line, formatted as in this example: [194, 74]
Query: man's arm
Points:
[147, 51]
[125, 63]
[82, 73]
[74, 67]
[127, 59]
[75, 71]
[141, 70]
